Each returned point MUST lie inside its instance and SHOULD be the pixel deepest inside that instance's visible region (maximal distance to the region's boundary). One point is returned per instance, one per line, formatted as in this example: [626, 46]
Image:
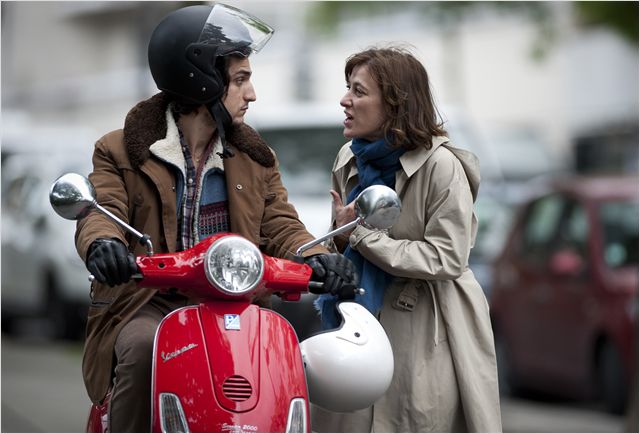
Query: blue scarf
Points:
[377, 164]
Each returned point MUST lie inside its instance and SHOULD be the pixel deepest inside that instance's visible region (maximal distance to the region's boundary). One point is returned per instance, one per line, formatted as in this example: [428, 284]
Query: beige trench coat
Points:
[434, 312]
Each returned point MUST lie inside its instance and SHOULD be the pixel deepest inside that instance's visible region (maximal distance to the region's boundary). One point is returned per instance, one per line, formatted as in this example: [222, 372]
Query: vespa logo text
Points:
[238, 428]
[168, 356]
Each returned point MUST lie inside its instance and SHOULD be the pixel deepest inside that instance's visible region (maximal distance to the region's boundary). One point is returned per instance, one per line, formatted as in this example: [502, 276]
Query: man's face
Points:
[240, 91]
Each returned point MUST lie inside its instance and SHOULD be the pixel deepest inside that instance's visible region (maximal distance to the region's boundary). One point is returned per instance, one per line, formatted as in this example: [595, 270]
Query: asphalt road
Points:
[42, 391]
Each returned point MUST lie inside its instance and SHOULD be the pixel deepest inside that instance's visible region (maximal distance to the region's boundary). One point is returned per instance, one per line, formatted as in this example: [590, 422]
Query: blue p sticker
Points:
[231, 321]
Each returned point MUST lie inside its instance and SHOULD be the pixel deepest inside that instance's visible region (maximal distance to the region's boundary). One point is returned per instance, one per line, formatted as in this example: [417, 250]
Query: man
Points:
[184, 167]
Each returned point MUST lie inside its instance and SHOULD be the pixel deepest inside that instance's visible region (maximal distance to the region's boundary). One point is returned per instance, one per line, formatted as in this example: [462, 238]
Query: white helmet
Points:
[350, 367]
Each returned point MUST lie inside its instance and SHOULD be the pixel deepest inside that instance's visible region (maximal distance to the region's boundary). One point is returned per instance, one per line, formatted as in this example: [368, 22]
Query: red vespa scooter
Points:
[227, 365]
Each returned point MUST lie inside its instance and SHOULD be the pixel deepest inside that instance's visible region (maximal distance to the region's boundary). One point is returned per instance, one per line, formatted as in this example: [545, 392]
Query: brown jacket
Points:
[140, 188]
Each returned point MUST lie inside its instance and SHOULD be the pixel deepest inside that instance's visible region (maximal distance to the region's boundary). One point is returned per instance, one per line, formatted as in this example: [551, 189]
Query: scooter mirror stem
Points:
[73, 196]
[145, 240]
[331, 234]
[377, 206]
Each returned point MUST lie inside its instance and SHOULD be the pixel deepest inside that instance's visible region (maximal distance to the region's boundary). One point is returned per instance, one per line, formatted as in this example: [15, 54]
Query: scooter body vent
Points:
[237, 388]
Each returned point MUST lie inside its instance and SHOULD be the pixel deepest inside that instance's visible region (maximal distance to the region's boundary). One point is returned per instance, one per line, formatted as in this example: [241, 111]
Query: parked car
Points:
[564, 302]
[42, 275]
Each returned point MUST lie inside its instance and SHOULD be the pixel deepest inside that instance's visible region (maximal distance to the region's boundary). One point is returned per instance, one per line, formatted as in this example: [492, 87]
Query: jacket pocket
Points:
[99, 307]
[407, 299]
[139, 212]
[100, 302]
[269, 197]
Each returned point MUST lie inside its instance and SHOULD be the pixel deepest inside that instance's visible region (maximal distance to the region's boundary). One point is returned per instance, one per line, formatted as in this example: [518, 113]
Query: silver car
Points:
[42, 275]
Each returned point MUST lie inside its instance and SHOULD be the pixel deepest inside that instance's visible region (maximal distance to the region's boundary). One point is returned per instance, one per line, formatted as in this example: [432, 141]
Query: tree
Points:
[619, 16]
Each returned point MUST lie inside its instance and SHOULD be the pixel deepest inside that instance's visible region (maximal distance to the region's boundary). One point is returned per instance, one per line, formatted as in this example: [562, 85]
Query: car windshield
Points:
[620, 228]
[306, 156]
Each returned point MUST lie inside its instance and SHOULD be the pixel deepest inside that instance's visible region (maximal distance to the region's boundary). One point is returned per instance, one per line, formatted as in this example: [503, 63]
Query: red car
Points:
[565, 292]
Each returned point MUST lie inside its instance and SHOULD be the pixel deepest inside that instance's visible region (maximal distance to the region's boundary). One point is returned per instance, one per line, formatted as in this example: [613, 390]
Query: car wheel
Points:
[506, 382]
[610, 378]
[64, 316]
[8, 323]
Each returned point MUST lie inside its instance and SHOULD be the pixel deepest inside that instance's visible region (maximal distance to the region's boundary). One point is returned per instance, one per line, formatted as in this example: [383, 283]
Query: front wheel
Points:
[66, 317]
[506, 383]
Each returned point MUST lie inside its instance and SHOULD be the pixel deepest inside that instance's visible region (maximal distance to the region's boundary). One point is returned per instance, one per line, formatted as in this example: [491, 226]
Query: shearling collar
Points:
[169, 148]
[146, 124]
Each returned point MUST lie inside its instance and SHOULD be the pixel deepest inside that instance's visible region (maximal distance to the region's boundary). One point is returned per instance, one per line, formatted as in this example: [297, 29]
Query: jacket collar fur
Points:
[146, 123]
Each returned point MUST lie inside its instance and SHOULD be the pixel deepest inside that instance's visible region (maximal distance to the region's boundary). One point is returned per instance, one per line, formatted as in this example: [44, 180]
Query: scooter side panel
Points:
[200, 353]
[283, 377]
[181, 367]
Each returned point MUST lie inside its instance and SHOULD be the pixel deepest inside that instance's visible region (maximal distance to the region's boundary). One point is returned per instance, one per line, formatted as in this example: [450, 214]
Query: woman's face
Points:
[362, 106]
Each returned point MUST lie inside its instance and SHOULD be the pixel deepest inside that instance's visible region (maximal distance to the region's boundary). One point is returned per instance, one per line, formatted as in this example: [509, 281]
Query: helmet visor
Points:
[234, 30]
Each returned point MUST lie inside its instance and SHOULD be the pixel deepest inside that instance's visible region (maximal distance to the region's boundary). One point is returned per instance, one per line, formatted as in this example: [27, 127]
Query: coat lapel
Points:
[413, 160]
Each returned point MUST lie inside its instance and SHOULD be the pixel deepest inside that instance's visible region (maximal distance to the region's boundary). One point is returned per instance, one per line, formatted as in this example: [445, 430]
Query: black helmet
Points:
[185, 46]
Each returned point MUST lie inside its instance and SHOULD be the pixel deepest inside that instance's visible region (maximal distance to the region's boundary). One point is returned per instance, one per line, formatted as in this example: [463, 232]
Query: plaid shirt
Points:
[212, 218]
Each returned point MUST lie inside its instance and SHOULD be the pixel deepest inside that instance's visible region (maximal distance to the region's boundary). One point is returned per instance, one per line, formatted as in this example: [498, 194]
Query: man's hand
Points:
[336, 271]
[110, 262]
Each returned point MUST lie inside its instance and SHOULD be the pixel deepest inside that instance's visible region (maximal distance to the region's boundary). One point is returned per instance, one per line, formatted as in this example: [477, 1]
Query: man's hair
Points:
[411, 117]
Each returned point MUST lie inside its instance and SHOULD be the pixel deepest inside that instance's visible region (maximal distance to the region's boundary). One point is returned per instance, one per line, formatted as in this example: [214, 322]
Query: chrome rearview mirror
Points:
[377, 207]
[73, 196]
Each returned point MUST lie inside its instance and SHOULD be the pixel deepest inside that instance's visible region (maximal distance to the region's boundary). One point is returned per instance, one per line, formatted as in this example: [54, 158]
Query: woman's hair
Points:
[412, 118]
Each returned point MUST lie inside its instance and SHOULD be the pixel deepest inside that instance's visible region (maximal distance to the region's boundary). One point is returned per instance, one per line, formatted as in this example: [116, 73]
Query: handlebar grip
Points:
[316, 285]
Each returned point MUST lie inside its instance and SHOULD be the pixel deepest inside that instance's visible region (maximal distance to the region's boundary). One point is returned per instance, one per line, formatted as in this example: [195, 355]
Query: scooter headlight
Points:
[234, 265]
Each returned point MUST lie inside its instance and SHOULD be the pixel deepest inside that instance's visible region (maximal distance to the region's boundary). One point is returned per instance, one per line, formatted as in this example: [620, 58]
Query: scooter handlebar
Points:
[137, 276]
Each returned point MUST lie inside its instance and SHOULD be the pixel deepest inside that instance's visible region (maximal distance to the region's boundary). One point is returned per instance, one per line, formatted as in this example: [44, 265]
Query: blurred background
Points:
[545, 93]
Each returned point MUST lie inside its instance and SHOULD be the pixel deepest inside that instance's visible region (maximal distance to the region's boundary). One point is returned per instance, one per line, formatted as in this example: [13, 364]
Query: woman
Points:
[416, 275]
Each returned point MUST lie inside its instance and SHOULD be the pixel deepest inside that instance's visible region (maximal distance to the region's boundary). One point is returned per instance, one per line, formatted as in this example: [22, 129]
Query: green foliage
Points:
[325, 16]
[620, 16]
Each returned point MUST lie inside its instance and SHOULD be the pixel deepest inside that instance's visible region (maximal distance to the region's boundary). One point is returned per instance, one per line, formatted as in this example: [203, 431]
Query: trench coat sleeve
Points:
[111, 194]
[281, 228]
[443, 252]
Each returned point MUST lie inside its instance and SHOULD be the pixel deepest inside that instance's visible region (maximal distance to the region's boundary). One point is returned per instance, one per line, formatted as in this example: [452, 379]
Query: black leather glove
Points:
[110, 262]
[336, 271]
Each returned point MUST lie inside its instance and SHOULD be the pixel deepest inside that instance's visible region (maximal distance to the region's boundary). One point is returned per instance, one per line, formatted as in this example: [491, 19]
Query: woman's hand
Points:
[343, 214]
